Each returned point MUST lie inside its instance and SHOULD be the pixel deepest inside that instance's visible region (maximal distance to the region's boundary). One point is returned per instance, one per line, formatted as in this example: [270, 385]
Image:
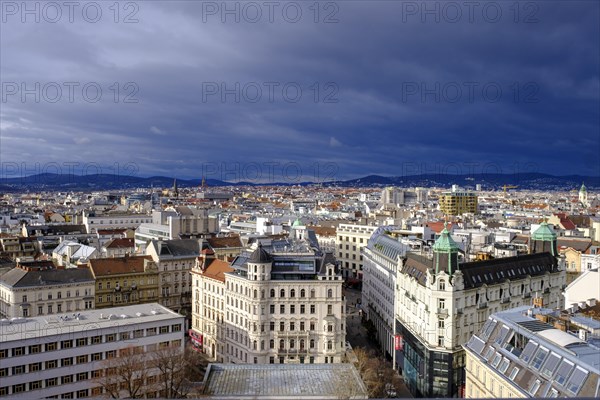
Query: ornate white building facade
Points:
[282, 302]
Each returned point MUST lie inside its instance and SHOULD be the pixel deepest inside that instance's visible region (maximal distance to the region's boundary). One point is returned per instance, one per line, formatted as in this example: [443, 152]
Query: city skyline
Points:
[354, 88]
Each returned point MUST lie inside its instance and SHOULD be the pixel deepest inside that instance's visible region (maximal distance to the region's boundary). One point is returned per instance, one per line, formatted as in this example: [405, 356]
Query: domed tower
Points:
[259, 265]
[445, 253]
[544, 240]
[583, 195]
[298, 230]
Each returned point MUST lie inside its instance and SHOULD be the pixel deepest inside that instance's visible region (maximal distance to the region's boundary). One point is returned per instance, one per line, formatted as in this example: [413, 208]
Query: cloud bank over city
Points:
[190, 88]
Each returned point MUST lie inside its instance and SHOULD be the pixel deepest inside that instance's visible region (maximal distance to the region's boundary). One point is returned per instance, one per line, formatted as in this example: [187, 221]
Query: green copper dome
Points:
[297, 222]
[445, 243]
[544, 233]
[583, 188]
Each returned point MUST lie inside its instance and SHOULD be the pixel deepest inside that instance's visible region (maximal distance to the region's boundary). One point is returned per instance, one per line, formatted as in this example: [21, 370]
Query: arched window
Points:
[301, 344]
[272, 292]
[329, 345]
[312, 293]
[271, 344]
[292, 343]
[293, 293]
[329, 293]
[282, 293]
[281, 344]
[255, 345]
[255, 293]
[312, 343]
[302, 293]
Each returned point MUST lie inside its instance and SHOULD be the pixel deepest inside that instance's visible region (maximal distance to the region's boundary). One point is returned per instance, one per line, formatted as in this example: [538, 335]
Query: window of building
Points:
[82, 359]
[51, 346]
[19, 388]
[81, 342]
[35, 385]
[329, 293]
[282, 309]
[313, 309]
[292, 309]
[281, 326]
[35, 367]
[19, 369]
[65, 362]
[34, 349]
[272, 309]
[302, 293]
[51, 364]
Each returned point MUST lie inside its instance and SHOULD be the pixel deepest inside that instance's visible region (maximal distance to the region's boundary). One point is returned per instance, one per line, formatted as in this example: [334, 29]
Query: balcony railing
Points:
[482, 305]
[442, 311]
[505, 300]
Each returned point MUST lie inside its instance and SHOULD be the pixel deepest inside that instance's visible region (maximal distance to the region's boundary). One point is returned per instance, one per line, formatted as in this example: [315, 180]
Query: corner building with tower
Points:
[440, 302]
[279, 302]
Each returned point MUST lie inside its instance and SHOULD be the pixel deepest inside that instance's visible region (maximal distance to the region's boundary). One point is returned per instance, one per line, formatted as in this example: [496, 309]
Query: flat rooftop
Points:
[284, 381]
[56, 324]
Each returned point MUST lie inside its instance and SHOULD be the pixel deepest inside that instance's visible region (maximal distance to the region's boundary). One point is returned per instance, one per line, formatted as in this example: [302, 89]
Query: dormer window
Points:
[442, 285]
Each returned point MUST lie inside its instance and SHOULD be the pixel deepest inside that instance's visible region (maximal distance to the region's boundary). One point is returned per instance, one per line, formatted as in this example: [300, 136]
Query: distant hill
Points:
[534, 181]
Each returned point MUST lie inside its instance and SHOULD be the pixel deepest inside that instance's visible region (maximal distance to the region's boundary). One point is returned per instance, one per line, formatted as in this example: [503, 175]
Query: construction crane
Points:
[508, 187]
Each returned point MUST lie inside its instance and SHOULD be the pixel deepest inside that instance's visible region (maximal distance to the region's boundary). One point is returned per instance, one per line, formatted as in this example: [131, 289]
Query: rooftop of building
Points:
[224, 242]
[118, 265]
[522, 340]
[120, 243]
[23, 278]
[217, 269]
[284, 381]
[16, 329]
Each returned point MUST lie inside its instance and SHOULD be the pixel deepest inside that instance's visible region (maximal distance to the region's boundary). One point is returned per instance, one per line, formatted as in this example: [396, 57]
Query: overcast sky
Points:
[338, 90]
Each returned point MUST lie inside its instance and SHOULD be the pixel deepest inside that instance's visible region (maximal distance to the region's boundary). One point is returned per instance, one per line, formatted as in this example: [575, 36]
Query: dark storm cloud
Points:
[382, 91]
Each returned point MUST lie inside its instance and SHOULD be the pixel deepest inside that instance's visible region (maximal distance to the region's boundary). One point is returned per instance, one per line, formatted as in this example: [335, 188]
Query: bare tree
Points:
[124, 376]
[176, 370]
[371, 371]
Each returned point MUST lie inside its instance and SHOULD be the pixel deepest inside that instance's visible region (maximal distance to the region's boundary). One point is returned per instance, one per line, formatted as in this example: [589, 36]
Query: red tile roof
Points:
[120, 243]
[118, 265]
[217, 270]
